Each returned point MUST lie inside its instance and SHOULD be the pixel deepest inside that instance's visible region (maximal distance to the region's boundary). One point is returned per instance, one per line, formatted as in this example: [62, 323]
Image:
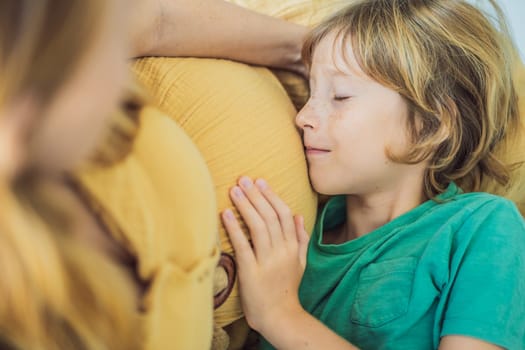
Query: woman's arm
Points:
[216, 28]
[270, 273]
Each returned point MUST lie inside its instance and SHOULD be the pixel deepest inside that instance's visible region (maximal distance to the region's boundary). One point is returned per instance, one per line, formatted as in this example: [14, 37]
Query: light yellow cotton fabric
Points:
[159, 203]
[242, 121]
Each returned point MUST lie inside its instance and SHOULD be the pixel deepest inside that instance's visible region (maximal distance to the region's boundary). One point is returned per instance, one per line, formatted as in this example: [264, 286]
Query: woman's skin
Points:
[75, 120]
[216, 28]
[92, 94]
[67, 131]
[13, 122]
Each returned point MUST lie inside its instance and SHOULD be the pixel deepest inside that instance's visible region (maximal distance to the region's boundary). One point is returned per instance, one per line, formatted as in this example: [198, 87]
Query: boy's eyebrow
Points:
[335, 71]
[338, 73]
[345, 72]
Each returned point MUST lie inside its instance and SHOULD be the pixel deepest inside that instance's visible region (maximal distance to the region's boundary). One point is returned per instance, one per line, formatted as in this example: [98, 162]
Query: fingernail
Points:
[228, 214]
[246, 182]
[237, 192]
[261, 184]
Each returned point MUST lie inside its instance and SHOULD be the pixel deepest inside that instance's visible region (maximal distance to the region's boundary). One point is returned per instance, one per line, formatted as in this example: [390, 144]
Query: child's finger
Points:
[265, 210]
[243, 250]
[303, 238]
[256, 225]
[282, 210]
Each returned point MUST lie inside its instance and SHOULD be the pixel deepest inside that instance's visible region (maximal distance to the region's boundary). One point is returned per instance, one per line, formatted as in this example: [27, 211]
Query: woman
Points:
[64, 285]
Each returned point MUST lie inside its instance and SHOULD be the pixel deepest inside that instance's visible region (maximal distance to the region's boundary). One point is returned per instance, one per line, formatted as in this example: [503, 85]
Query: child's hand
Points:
[270, 273]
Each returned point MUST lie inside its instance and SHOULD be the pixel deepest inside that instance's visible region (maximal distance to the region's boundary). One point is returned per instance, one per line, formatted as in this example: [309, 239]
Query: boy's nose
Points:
[306, 117]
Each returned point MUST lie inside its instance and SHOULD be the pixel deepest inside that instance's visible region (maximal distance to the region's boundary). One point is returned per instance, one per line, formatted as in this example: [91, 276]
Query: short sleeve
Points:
[486, 291]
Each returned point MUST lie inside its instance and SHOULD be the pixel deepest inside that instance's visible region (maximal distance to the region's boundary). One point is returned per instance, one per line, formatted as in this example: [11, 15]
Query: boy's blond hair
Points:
[453, 67]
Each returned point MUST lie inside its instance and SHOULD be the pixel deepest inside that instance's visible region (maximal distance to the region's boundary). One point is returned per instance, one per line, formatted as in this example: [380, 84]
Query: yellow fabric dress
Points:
[159, 203]
[242, 120]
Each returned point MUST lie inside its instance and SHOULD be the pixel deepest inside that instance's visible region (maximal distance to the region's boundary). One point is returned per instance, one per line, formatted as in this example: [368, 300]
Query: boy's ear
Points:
[16, 120]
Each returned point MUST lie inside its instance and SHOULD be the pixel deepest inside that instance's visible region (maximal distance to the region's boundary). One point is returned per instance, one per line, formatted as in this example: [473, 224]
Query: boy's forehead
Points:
[335, 54]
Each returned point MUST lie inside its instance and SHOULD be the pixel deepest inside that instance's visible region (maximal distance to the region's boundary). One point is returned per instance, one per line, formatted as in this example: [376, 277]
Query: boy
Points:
[408, 101]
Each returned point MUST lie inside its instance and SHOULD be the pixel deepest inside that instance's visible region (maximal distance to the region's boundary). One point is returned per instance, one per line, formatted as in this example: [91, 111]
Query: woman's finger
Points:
[283, 211]
[241, 245]
[265, 210]
[256, 225]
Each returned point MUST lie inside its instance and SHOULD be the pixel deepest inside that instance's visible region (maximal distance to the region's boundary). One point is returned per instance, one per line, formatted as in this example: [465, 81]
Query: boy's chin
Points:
[324, 188]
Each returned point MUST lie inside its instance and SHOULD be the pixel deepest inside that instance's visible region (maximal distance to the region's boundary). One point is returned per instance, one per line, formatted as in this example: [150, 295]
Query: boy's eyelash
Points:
[341, 98]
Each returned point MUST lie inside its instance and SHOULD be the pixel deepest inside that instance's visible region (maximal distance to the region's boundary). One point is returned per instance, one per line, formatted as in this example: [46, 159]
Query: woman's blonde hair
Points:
[453, 67]
[56, 293]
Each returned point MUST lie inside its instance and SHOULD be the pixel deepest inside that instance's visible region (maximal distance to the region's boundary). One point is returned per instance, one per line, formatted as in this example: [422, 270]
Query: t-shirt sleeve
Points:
[486, 298]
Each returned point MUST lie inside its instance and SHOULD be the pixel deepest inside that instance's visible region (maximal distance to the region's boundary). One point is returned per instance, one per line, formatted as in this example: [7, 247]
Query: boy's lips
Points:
[314, 150]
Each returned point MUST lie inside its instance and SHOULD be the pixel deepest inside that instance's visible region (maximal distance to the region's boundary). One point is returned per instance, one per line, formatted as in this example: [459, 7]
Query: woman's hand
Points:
[270, 272]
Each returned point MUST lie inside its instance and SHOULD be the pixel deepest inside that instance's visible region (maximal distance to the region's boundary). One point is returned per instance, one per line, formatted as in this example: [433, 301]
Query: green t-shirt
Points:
[456, 267]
